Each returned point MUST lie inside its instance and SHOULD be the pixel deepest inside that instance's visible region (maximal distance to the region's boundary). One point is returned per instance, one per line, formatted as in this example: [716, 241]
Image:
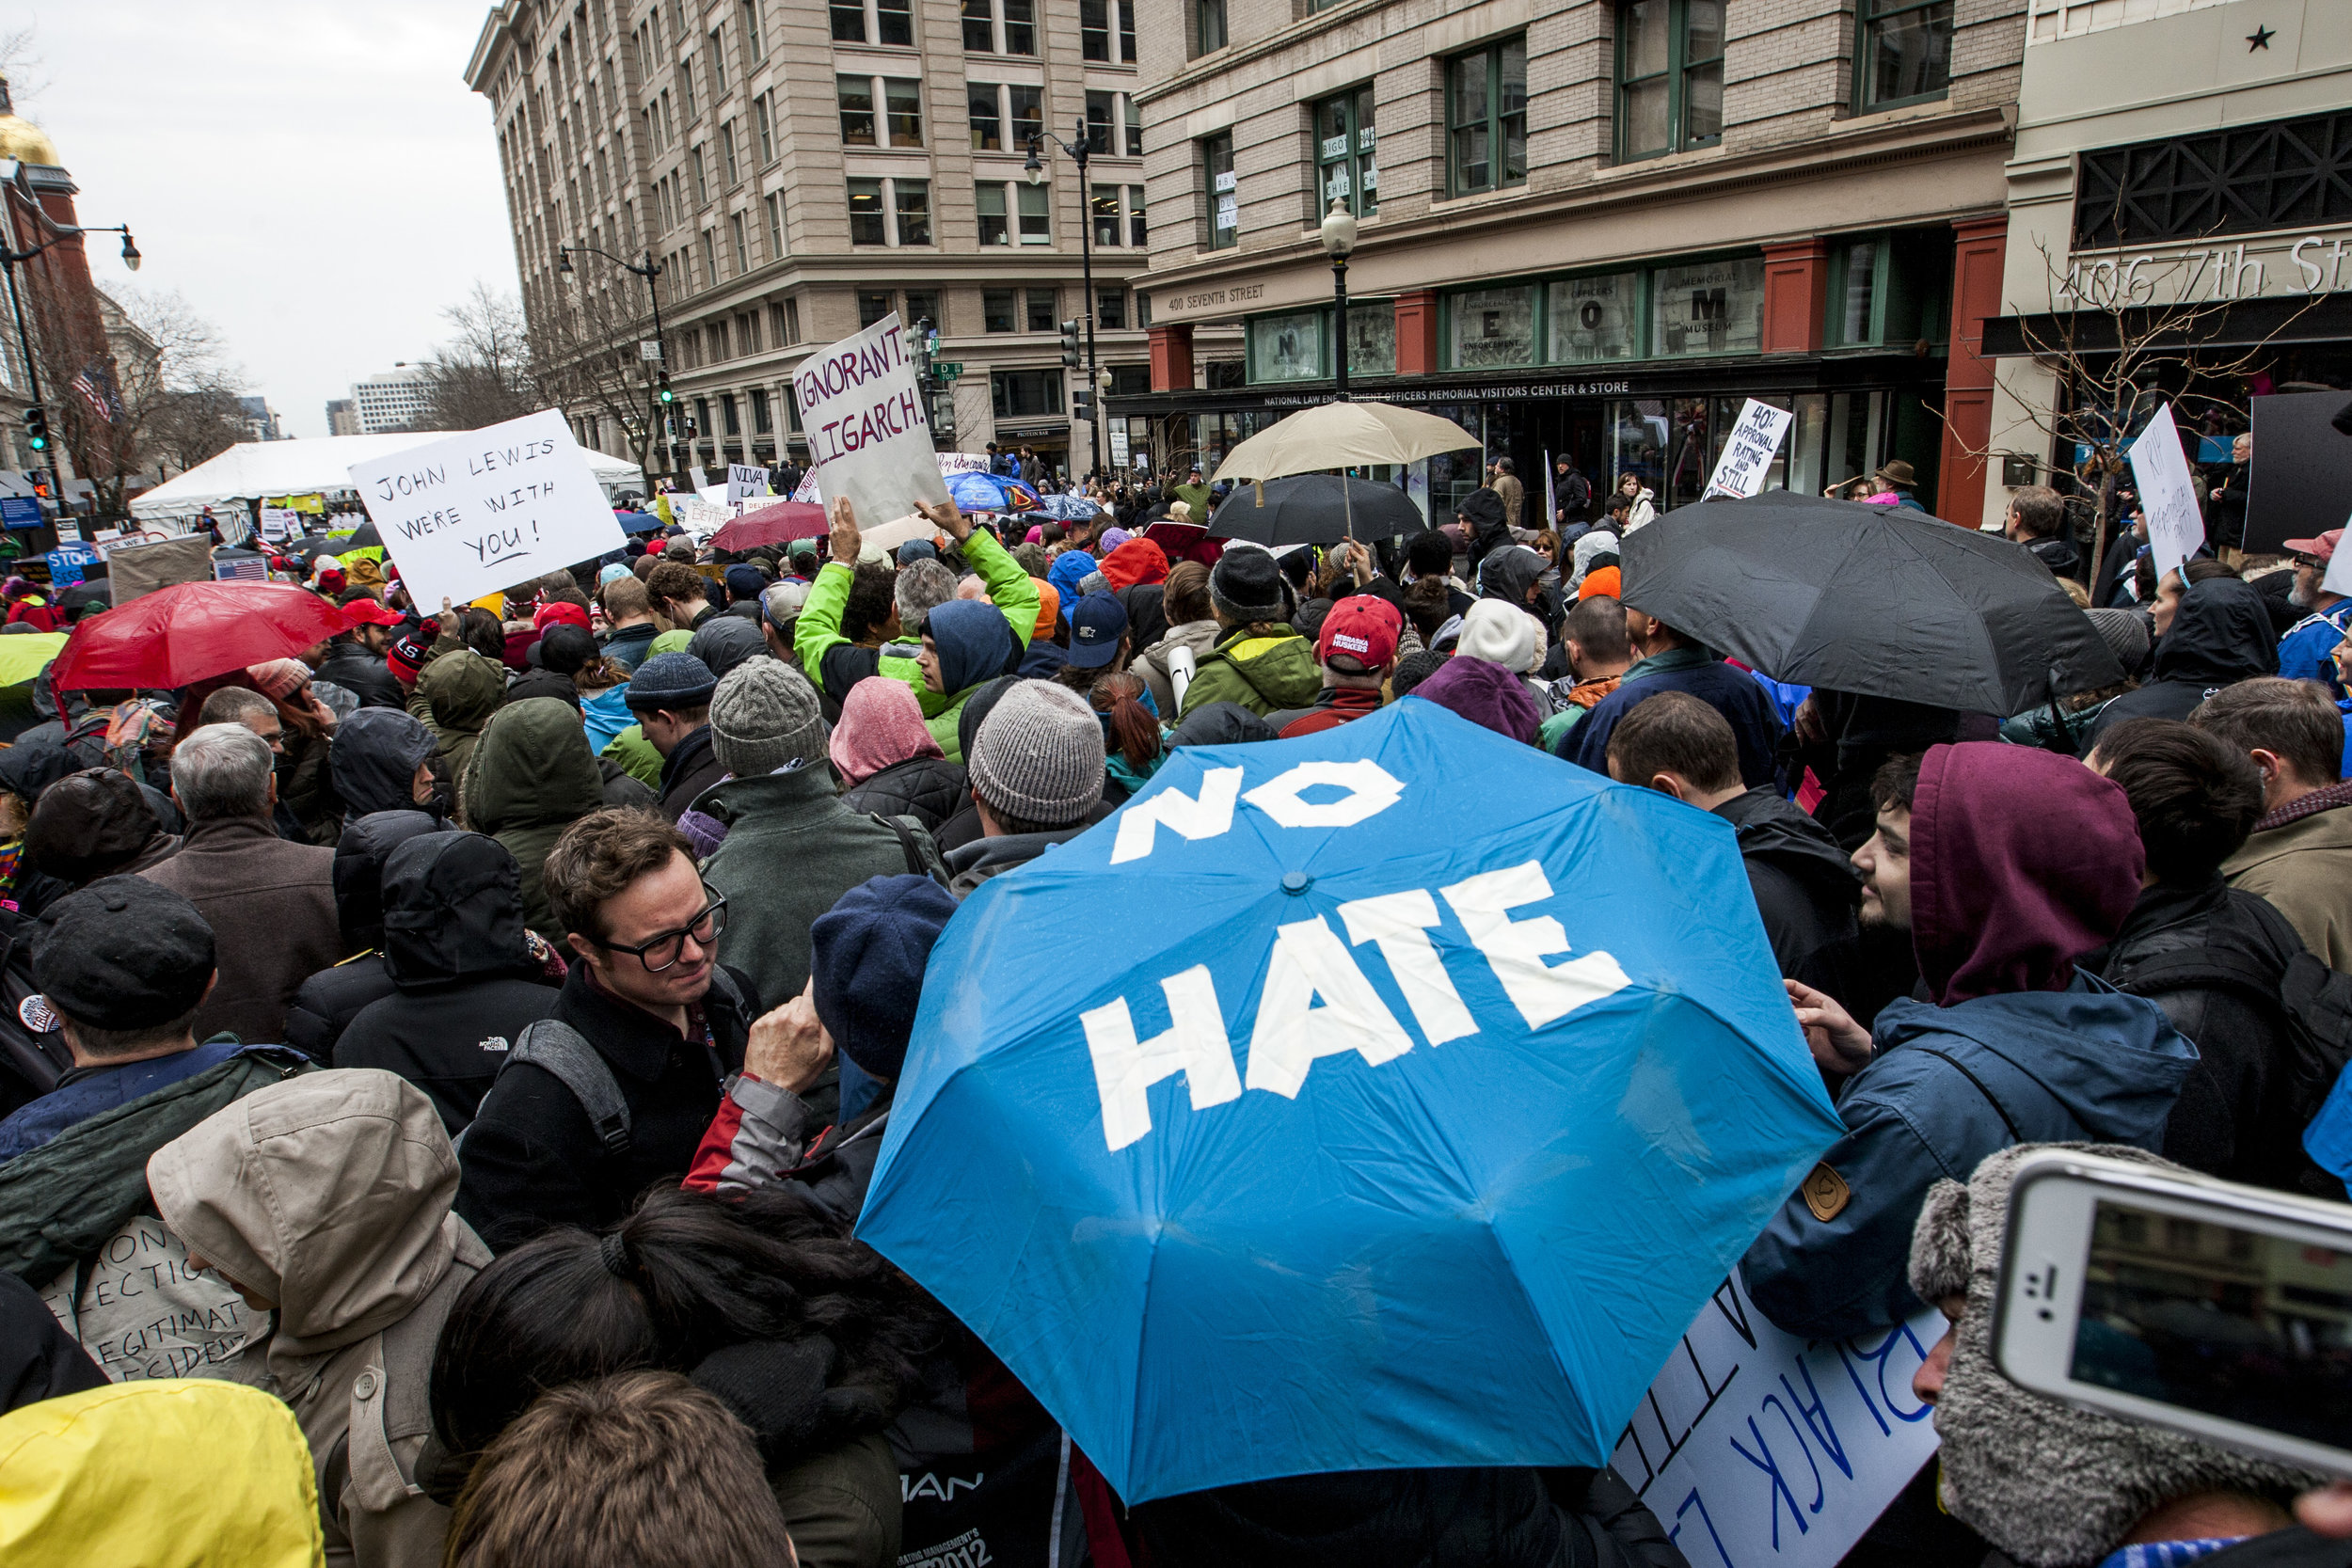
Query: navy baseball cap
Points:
[1097, 623]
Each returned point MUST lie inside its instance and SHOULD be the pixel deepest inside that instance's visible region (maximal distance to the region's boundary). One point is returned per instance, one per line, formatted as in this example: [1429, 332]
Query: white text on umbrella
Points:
[1371, 790]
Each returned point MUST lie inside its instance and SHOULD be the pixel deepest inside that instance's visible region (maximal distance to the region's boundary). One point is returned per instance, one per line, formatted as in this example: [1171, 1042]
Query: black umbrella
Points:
[80, 593]
[363, 537]
[1314, 509]
[309, 547]
[1868, 599]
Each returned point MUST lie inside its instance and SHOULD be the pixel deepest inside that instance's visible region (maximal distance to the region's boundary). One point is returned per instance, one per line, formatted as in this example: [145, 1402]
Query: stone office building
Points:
[1587, 227]
[799, 170]
[2182, 171]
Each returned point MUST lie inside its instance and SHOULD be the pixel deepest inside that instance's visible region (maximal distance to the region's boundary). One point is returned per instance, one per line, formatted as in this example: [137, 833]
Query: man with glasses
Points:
[2303, 652]
[591, 1114]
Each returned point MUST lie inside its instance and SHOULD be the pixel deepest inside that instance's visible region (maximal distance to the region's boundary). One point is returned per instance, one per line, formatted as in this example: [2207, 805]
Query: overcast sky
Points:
[313, 178]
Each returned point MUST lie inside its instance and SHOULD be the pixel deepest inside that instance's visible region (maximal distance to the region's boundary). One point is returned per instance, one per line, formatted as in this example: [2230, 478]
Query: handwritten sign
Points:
[143, 1313]
[1748, 449]
[280, 523]
[464, 515]
[1759, 1450]
[2176, 524]
[744, 481]
[867, 430]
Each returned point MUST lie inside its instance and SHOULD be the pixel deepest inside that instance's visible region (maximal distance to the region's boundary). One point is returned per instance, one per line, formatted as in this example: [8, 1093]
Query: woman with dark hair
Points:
[1191, 624]
[811, 1338]
[1131, 733]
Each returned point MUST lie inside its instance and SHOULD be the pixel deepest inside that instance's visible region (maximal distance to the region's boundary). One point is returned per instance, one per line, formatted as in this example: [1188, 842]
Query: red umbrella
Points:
[772, 525]
[187, 632]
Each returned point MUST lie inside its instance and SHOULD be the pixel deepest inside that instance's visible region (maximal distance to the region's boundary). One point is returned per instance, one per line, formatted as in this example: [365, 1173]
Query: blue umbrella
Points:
[990, 493]
[637, 522]
[1432, 1091]
[1067, 508]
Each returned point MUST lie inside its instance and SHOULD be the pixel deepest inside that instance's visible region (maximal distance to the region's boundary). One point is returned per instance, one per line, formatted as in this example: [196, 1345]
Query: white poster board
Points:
[743, 482]
[869, 438]
[1755, 1447]
[701, 481]
[279, 524]
[1748, 449]
[2176, 524]
[2338, 577]
[464, 515]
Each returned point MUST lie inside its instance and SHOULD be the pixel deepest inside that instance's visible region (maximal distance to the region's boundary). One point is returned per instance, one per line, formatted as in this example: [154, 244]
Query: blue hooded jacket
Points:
[1948, 1086]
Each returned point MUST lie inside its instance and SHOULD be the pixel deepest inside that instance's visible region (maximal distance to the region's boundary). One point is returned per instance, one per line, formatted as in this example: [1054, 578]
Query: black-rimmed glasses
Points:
[662, 952]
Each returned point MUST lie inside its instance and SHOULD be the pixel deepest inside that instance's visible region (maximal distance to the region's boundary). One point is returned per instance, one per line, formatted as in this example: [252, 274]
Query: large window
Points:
[912, 207]
[856, 94]
[1018, 394]
[1485, 95]
[1493, 326]
[1020, 26]
[1288, 347]
[1594, 318]
[873, 306]
[1034, 204]
[849, 20]
[1039, 310]
[1101, 108]
[1028, 112]
[765, 115]
[1103, 204]
[1857, 302]
[895, 22]
[979, 26]
[1670, 76]
[987, 116]
[1208, 25]
[901, 123]
[1709, 308]
[1095, 29]
[727, 155]
[1903, 52]
[988, 197]
[1344, 157]
[903, 100]
[867, 222]
[1137, 228]
[1216, 174]
[996, 304]
[774, 201]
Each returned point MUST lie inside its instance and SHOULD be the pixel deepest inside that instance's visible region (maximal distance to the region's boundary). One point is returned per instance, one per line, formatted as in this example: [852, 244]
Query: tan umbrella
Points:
[1341, 435]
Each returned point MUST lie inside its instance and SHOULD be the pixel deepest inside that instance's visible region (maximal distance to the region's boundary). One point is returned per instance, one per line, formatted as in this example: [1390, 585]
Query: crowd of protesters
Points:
[475, 1034]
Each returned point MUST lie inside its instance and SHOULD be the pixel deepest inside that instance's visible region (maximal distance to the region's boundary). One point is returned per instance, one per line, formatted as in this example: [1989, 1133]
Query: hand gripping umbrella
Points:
[1867, 599]
[1392, 1138]
[190, 630]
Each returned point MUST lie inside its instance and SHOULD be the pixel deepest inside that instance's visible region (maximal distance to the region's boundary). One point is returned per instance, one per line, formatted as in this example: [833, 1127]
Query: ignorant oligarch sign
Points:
[869, 435]
[464, 515]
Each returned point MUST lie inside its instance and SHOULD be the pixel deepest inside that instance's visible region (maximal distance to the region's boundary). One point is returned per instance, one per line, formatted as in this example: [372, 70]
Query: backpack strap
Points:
[914, 842]
[1990, 1097]
[555, 1047]
[2192, 968]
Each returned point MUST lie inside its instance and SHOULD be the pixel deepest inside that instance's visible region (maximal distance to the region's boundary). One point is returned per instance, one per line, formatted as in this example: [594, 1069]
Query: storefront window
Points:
[1856, 290]
[1637, 440]
[1594, 318]
[1372, 338]
[1495, 326]
[1287, 348]
[1710, 307]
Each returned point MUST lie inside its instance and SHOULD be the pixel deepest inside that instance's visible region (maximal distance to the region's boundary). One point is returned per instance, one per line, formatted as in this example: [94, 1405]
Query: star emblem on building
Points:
[2260, 38]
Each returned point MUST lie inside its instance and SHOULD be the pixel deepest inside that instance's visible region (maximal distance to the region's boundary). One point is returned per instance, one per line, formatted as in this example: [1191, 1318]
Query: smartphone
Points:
[2219, 1311]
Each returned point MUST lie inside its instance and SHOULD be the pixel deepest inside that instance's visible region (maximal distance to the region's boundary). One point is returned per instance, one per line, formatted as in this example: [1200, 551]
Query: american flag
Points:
[97, 386]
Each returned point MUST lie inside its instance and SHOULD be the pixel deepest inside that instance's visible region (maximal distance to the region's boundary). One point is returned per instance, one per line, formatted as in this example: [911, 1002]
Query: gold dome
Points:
[24, 140]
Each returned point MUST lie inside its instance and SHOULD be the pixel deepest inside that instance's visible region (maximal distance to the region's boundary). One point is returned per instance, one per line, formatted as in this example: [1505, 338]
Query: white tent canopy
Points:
[252, 469]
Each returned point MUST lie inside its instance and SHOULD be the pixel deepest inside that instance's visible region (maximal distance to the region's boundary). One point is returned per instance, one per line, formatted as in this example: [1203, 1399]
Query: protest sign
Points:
[1753, 1447]
[312, 503]
[2338, 577]
[868, 435]
[744, 481]
[467, 515]
[2176, 524]
[68, 562]
[701, 481]
[1748, 449]
[279, 524]
[20, 512]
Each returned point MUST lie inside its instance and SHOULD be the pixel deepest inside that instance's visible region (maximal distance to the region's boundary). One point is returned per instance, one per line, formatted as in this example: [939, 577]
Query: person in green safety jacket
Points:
[837, 664]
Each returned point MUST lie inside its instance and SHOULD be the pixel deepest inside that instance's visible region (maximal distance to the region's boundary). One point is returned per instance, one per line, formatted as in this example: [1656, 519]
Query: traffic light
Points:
[1082, 405]
[666, 395]
[691, 431]
[1070, 353]
[37, 427]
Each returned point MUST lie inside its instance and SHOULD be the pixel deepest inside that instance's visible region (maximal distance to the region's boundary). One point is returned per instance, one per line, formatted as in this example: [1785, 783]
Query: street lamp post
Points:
[1036, 169]
[12, 178]
[649, 270]
[1339, 240]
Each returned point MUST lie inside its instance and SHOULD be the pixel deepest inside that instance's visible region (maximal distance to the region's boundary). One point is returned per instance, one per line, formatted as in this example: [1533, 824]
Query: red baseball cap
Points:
[1363, 627]
[562, 612]
[2323, 547]
[371, 612]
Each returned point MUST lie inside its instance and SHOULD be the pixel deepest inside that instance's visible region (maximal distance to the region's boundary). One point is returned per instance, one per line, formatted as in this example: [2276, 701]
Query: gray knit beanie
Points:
[763, 717]
[1038, 755]
[1247, 583]
[2050, 1485]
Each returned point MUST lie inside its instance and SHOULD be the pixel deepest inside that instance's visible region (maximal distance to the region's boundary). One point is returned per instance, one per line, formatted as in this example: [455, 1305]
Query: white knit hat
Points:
[1499, 634]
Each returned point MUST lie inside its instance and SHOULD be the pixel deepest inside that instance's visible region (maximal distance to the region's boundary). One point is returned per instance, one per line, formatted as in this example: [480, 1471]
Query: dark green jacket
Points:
[461, 690]
[792, 850]
[531, 778]
[1264, 674]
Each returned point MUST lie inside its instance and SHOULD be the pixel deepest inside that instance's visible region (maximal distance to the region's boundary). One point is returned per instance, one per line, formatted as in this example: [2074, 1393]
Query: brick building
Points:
[800, 170]
[1588, 227]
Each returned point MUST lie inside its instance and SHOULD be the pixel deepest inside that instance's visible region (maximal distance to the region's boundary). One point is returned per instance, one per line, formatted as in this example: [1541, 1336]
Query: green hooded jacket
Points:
[532, 776]
[461, 690]
[836, 664]
[779, 821]
[636, 755]
[1264, 674]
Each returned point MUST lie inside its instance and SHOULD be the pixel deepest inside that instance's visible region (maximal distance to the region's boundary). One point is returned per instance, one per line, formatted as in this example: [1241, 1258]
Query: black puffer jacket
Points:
[2228, 952]
[1805, 887]
[2220, 635]
[1466, 1518]
[929, 789]
[330, 999]
[362, 674]
[464, 983]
